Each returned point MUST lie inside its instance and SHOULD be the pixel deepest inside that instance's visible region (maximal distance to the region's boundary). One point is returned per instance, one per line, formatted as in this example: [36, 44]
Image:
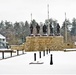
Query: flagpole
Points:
[65, 35]
[48, 11]
[31, 17]
[48, 18]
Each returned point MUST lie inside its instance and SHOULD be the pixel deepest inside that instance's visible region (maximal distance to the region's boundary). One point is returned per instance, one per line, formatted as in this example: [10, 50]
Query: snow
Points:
[2, 37]
[70, 49]
[4, 49]
[63, 63]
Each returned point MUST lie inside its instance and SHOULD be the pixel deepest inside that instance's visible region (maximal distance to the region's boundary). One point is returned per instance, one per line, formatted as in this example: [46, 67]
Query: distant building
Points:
[2, 41]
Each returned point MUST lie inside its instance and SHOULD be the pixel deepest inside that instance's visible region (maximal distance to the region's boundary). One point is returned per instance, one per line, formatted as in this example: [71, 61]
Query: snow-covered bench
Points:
[3, 50]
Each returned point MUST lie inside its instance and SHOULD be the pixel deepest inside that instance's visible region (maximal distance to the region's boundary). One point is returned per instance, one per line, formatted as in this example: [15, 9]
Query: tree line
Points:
[17, 32]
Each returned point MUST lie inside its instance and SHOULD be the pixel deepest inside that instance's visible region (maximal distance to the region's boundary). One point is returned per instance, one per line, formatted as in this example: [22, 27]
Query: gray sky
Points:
[20, 10]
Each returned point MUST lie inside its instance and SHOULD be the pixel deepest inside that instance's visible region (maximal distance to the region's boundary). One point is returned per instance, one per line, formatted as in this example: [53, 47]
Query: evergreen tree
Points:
[17, 28]
[27, 29]
[2, 24]
[73, 30]
[34, 23]
[2, 27]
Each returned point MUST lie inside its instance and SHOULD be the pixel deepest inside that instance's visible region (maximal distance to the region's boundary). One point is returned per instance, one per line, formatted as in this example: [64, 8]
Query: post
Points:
[51, 60]
[49, 50]
[22, 51]
[11, 53]
[43, 53]
[40, 54]
[34, 56]
[17, 52]
[2, 55]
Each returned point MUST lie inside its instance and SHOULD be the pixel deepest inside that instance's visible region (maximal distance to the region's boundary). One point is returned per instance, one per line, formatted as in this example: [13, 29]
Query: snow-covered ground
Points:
[63, 63]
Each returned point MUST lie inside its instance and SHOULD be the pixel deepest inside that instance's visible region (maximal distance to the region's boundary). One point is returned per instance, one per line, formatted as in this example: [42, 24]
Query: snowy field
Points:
[63, 63]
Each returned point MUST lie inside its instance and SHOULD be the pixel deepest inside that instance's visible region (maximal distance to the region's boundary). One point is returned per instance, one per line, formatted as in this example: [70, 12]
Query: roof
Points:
[1, 36]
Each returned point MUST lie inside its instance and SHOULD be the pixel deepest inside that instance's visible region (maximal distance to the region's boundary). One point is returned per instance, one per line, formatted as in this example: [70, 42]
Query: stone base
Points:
[51, 35]
[43, 43]
[58, 34]
[45, 35]
[38, 35]
[31, 35]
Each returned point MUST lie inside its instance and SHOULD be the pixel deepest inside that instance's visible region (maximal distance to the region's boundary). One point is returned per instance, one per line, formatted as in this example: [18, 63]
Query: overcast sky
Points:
[20, 10]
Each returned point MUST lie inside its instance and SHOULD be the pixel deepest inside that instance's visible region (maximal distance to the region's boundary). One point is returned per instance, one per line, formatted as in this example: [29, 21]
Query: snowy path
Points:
[63, 63]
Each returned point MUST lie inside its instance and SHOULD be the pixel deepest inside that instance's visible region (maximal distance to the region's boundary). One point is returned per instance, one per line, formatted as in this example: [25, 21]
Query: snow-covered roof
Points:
[1, 36]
